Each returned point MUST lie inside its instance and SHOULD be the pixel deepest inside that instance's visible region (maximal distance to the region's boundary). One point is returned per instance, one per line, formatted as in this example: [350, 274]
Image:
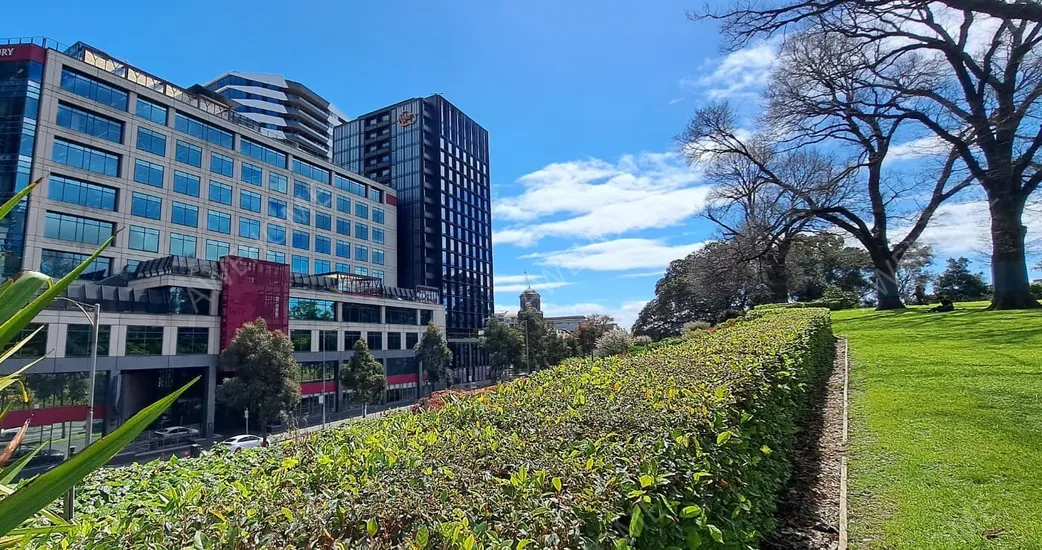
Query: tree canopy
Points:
[267, 378]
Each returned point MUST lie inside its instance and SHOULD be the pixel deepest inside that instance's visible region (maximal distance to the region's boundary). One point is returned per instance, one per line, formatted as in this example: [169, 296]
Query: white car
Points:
[241, 442]
[176, 432]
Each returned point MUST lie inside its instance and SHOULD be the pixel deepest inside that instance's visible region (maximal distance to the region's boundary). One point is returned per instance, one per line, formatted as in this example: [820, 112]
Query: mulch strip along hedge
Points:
[685, 446]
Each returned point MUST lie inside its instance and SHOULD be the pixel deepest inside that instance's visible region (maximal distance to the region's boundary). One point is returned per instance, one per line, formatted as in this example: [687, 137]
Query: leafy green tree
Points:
[817, 262]
[505, 346]
[560, 346]
[365, 375]
[958, 283]
[615, 342]
[590, 329]
[536, 333]
[434, 354]
[267, 378]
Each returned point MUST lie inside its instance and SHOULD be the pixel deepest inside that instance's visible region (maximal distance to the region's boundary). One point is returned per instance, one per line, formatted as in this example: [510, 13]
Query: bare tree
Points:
[977, 86]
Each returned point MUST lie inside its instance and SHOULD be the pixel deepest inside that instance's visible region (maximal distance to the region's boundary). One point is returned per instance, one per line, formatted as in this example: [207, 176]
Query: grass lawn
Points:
[946, 428]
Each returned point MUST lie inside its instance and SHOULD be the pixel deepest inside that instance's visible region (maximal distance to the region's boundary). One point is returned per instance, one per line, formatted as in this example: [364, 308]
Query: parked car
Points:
[176, 432]
[241, 442]
[8, 434]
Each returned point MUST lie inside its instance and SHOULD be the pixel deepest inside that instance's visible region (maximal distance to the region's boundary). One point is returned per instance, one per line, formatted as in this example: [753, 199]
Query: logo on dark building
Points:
[406, 118]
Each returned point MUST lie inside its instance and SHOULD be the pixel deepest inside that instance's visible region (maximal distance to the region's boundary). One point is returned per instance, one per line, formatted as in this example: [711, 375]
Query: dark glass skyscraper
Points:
[436, 157]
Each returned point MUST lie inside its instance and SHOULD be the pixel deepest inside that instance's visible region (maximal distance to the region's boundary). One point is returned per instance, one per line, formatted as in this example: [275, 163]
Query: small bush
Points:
[641, 340]
[1036, 290]
[842, 299]
[615, 342]
[692, 326]
[687, 445]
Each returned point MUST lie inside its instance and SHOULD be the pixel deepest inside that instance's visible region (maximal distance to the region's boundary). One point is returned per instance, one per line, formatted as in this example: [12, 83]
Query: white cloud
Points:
[616, 255]
[738, 73]
[653, 273]
[599, 199]
[962, 228]
[512, 279]
[916, 149]
[540, 286]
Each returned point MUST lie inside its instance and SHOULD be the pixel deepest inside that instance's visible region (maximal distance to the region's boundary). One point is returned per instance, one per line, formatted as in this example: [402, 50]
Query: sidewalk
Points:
[318, 427]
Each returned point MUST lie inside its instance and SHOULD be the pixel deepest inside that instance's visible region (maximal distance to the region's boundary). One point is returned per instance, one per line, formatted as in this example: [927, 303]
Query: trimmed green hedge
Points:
[685, 446]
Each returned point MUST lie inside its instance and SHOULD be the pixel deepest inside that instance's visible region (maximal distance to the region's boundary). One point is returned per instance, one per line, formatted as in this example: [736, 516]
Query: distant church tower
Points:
[530, 298]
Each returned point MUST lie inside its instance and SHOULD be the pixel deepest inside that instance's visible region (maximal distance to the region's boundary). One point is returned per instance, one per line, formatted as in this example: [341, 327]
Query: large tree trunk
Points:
[884, 268]
[1009, 270]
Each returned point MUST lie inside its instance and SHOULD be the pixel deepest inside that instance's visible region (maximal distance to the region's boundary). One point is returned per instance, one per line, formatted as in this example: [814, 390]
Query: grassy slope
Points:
[946, 428]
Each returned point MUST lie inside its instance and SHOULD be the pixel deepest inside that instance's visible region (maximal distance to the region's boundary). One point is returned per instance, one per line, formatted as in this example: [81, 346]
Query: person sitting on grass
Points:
[946, 305]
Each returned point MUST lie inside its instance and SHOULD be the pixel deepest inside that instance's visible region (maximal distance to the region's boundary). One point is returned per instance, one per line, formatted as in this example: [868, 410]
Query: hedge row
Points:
[684, 446]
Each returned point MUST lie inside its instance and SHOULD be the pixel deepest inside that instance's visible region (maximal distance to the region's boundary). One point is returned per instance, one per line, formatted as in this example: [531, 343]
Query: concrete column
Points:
[314, 340]
[215, 300]
[211, 393]
[56, 336]
[169, 340]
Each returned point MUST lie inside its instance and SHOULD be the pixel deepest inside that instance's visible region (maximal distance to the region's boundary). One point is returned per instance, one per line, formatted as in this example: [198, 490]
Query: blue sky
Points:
[581, 99]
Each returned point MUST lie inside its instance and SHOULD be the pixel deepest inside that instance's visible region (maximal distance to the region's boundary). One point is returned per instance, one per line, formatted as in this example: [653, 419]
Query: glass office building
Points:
[437, 160]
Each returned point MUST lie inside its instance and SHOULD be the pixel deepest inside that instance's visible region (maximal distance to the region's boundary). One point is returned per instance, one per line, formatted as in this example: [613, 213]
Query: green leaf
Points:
[765, 450]
[14, 349]
[8, 206]
[636, 522]
[22, 317]
[371, 526]
[469, 543]
[690, 511]
[723, 437]
[21, 290]
[715, 532]
[646, 481]
[50, 485]
[521, 544]
[423, 536]
[288, 513]
[8, 474]
[556, 482]
[693, 539]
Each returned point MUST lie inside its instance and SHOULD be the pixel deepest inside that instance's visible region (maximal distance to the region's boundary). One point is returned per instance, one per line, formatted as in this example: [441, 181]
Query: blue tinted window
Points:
[148, 173]
[278, 182]
[323, 221]
[67, 227]
[322, 266]
[182, 245]
[143, 238]
[277, 208]
[343, 249]
[86, 158]
[249, 252]
[362, 231]
[375, 195]
[301, 190]
[151, 111]
[215, 250]
[378, 256]
[361, 210]
[322, 244]
[276, 234]
[58, 264]
[184, 214]
[220, 192]
[220, 164]
[220, 222]
[359, 270]
[203, 131]
[343, 226]
[151, 142]
[249, 228]
[343, 204]
[378, 215]
[146, 206]
[378, 236]
[350, 186]
[277, 257]
[249, 200]
[81, 193]
[300, 264]
[343, 268]
[324, 198]
[361, 253]
[83, 85]
[252, 174]
[301, 239]
[311, 171]
[90, 123]
[185, 183]
[301, 215]
[188, 154]
[262, 153]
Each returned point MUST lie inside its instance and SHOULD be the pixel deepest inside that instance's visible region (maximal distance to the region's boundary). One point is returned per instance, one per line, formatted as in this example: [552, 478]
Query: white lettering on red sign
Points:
[6, 52]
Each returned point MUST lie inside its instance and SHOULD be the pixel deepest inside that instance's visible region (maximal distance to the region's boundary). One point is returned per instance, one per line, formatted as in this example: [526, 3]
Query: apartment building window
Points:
[220, 222]
[92, 124]
[343, 204]
[301, 190]
[324, 198]
[220, 192]
[143, 238]
[248, 200]
[203, 131]
[411, 339]
[327, 340]
[426, 316]
[262, 153]
[151, 142]
[95, 90]
[79, 340]
[378, 256]
[375, 195]
[361, 231]
[394, 340]
[342, 268]
[378, 274]
[249, 228]
[188, 154]
[252, 174]
[184, 214]
[36, 346]
[378, 215]
[361, 313]
[305, 309]
[151, 111]
[322, 266]
[323, 221]
[67, 227]
[363, 271]
[343, 227]
[299, 264]
[276, 208]
[58, 264]
[148, 173]
[361, 253]
[182, 245]
[144, 340]
[277, 257]
[249, 252]
[85, 158]
[322, 245]
[301, 215]
[350, 337]
[223, 165]
[215, 250]
[278, 182]
[375, 340]
[310, 171]
[301, 239]
[343, 249]
[301, 340]
[361, 210]
[81, 193]
[193, 340]
[276, 234]
[146, 206]
[186, 183]
[378, 236]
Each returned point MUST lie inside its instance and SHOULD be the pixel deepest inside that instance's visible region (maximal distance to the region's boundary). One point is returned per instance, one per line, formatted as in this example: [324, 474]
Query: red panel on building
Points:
[392, 200]
[253, 289]
[53, 415]
[313, 388]
[23, 52]
[401, 379]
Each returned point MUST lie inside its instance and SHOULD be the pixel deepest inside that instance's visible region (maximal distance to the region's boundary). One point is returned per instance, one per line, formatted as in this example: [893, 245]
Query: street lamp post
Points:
[95, 323]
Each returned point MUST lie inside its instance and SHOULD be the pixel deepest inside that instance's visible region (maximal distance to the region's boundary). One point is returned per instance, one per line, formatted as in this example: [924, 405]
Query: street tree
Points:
[505, 347]
[958, 283]
[433, 352]
[267, 378]
[364, 375]
[589, 330]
